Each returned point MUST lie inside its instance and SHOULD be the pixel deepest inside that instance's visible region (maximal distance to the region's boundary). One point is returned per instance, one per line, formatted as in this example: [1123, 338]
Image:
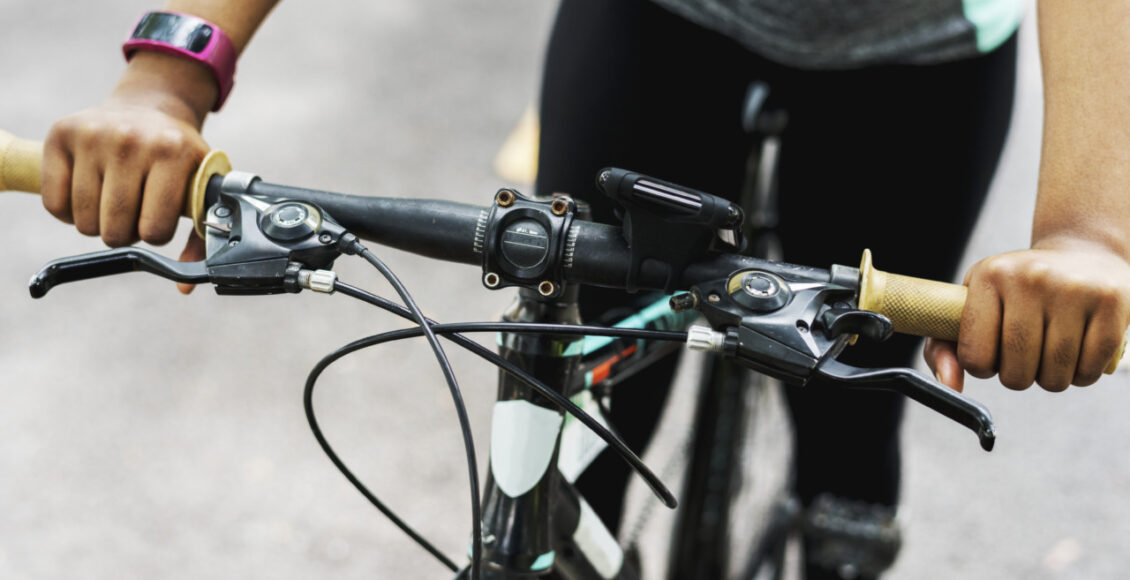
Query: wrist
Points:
[176, 86]
[1090, 243]
[191, 38]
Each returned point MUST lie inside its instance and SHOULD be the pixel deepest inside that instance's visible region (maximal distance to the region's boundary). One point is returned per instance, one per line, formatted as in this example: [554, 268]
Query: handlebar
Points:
[786, 320]
[600, 255]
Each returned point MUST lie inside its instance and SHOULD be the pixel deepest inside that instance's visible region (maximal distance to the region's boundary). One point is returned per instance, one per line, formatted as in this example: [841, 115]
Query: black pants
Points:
[897, 159]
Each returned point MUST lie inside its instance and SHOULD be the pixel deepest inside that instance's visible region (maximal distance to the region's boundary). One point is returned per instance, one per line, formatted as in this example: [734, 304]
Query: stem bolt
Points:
[504, 198]
[547, 288]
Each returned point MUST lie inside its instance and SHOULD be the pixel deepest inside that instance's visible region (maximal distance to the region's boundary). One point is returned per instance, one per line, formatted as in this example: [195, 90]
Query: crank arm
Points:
[921, 388]
[116, 261]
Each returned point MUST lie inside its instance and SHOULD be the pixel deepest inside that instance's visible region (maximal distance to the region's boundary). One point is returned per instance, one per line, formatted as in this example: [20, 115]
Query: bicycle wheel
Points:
[735, 512]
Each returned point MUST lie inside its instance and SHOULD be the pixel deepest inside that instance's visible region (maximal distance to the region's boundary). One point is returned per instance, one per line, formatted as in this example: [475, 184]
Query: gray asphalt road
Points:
[145, 435]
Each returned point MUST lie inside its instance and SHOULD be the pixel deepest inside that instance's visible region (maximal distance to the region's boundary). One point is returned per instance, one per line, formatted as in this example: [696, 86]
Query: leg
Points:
[630, 85]
[896, 159]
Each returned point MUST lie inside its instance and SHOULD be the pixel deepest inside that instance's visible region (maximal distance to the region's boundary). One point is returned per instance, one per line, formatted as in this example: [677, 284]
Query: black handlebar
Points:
[785, 320]
[452, 231]
[443, 230]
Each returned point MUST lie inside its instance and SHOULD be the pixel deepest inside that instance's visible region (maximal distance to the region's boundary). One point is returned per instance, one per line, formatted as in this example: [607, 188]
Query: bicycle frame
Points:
[534, 520]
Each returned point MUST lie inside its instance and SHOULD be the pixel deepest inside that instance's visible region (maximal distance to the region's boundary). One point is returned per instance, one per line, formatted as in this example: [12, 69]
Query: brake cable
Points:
[349, 244]
[451, 331]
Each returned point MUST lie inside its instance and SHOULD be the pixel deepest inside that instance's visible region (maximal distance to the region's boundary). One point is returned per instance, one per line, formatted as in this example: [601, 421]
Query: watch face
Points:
[180, 31]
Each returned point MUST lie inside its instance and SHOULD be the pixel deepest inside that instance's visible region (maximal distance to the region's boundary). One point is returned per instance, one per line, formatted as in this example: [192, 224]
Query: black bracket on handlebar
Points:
[255, 245]
[524, 242]
[670, 224]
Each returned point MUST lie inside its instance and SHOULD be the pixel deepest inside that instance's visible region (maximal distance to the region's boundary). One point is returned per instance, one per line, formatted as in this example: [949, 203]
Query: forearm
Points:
[180, 87]
[1084, 188]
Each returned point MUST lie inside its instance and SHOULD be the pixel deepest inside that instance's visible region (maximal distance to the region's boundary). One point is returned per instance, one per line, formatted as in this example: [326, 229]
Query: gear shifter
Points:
[255, 245]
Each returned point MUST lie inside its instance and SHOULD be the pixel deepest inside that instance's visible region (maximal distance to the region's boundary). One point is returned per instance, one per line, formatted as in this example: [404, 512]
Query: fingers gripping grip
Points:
[921, 307]
[21, 162]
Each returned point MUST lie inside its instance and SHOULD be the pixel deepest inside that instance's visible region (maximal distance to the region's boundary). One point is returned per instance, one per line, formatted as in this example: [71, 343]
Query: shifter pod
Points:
[253, 242]
[255, 245]
[780, 324]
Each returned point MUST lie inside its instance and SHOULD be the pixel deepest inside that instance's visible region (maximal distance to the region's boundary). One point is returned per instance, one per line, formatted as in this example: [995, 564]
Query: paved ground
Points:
[145, 435]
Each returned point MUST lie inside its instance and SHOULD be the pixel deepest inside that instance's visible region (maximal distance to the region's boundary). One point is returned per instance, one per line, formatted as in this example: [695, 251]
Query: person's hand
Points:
[1054, 315]
[120, 170]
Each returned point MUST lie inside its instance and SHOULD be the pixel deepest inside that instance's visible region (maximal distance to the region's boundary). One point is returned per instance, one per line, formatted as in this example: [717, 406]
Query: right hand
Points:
[120, 170]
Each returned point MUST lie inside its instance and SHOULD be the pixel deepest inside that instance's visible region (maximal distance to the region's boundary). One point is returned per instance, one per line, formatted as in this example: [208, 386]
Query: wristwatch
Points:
[189, 37]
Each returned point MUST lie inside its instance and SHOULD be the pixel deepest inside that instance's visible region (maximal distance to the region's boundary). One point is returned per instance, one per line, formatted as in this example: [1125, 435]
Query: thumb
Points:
[941, 357]
[193, 252]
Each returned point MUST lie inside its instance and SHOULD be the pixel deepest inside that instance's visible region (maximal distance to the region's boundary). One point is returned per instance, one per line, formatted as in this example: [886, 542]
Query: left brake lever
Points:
[256, 245]
[110, 262]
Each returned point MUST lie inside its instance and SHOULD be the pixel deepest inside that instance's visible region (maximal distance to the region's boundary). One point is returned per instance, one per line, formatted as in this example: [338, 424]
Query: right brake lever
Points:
[919, 387]
[793, 329]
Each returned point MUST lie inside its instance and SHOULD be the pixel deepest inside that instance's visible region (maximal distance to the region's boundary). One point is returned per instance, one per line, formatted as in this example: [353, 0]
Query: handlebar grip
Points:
[20, 163]
[921, 307]
[914, 305]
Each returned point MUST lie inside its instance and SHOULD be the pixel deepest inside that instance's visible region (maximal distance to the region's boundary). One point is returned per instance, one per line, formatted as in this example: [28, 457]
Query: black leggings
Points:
[897, 159]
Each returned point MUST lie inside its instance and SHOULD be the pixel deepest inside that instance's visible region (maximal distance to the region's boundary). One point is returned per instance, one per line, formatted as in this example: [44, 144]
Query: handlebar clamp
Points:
[524, 242]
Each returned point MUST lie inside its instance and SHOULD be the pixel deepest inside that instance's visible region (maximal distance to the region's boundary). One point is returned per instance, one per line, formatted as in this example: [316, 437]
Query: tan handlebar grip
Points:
[20, 163]
[921, 307]
[914, 305]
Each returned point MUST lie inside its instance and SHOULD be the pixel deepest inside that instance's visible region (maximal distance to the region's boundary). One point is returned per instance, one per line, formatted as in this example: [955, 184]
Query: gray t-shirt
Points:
[839, 34]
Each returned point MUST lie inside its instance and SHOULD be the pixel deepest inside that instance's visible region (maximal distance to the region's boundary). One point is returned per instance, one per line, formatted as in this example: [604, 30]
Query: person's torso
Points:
[852, 33]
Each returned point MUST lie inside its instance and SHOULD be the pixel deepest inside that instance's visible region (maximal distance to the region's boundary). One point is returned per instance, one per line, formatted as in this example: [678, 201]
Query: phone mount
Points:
[669, 224]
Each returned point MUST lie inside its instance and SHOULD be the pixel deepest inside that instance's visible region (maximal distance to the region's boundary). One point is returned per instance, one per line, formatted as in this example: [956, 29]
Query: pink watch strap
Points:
[218, 53]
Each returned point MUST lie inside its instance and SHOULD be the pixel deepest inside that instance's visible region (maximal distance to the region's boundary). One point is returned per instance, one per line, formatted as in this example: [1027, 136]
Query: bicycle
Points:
[269, 239]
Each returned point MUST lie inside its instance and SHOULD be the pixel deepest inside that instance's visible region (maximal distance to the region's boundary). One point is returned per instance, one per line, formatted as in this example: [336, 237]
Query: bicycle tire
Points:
[737, 510]
[734, 520]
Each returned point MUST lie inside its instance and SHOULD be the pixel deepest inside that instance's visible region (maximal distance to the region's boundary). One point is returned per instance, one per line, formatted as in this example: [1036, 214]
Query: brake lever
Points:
[255, 245]
[921, 388]
[793, 328]
[110, 262]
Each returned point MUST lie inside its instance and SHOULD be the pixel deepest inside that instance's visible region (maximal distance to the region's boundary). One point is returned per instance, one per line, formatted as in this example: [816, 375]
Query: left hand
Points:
[1054, 315]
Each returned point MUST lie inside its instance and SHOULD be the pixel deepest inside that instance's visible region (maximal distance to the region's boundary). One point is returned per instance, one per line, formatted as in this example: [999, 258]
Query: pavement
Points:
[148, 435]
